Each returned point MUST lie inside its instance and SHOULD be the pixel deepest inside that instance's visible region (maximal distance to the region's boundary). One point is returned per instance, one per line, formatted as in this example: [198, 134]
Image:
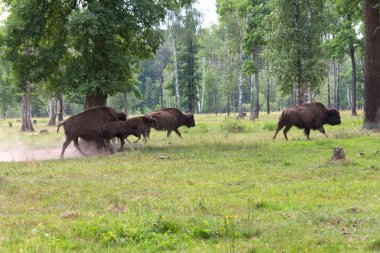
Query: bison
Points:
[307, 116]
[122, 129]
[170, 119]
[86, 125]
[142, 125]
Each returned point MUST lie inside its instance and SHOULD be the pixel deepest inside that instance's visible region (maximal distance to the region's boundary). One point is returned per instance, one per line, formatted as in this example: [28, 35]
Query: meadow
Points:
[225, 187]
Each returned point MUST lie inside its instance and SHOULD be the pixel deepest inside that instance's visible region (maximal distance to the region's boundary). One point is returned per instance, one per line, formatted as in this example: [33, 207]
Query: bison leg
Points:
[279, 127]
[65, 144]
[178, 133]
[108, 145]
[137, 139]
[168, 134]
[122, 142]
[322, 130]
[130, 144]
[307, 133]
[76, 144]
[144, 134]
[148, 133]
[287, 128]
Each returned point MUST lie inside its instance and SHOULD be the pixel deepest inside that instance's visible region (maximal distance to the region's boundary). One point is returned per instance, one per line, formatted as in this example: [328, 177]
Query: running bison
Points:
[170, 119]
[86, 125]
[307, 116]
[142, 125]
[122, 129]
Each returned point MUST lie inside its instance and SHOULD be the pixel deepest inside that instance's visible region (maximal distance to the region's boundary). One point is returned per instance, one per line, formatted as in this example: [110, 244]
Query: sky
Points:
[208, 10]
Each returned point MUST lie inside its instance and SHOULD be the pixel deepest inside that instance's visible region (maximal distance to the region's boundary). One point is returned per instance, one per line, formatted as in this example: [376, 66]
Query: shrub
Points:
[235, 125]
[269, 127]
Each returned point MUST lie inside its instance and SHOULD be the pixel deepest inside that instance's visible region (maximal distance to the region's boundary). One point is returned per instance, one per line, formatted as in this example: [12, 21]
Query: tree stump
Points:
[43, 131]
[338, 154]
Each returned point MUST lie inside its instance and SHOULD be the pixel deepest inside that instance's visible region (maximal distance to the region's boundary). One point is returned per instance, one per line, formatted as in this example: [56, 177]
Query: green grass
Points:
[213, 191]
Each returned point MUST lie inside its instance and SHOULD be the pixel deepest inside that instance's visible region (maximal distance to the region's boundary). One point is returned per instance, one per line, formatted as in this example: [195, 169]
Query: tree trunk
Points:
[353, 96]
[4, 107]
[308, 92]
[228, 105]
[348, 97]
[328, 87]
[60, 112]
[268, 88]
[293, 100]
[338, 87]
[215, 97]
[161, 88]
[95, 100]
[298, 94]
[297, 25]
[125, 103]
[177, 97]
[191, 83]
[371, 64]
[252, 116]
[335, 88]
[26, 114]
[309, 95]
[53, 116]
[257, 104]
[240, 101]
[199, 100]
[203, 85]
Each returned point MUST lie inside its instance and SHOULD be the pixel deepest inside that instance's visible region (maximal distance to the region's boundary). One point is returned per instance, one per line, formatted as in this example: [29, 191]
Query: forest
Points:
[60, 57]
[226, 182]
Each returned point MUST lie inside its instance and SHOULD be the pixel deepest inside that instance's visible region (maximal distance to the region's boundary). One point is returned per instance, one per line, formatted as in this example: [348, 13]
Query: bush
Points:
[269, 127]
[235, 125]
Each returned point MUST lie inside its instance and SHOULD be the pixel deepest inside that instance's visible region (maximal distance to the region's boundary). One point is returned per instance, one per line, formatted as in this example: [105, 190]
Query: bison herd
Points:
[101, 124]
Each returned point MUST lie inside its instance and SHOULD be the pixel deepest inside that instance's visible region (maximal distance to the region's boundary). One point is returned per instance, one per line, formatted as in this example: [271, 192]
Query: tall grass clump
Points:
[235, 125]
[269, 126]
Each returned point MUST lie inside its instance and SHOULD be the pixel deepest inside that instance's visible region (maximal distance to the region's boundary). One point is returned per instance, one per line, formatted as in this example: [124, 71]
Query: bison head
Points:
[189, 121]
[333, 117]
[152, 122]
[121, 116]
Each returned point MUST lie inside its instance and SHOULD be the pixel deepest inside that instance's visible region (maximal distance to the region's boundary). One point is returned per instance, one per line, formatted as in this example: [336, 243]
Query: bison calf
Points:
[141, 125]
[122, 129]
[171, 119]
[307, 116]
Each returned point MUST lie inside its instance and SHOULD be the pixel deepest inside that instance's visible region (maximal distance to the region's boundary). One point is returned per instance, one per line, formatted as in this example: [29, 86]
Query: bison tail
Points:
[281, 117]
[59, 126]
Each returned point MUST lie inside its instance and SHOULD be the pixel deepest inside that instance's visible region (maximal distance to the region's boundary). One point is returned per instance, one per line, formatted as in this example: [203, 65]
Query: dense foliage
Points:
[263, 54]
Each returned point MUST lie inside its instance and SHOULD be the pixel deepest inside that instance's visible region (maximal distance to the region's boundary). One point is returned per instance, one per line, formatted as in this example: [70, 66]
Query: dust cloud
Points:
[20, 152]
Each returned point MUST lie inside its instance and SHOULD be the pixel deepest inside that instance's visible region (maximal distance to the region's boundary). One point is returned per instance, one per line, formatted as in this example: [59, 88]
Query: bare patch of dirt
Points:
[21, 153]
[69, 214]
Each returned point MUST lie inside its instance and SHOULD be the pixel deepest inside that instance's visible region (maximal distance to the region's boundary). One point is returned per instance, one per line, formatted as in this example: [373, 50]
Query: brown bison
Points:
[122, 129]
[86, 125]
[307, 116]
[142, 125]
[171, 119]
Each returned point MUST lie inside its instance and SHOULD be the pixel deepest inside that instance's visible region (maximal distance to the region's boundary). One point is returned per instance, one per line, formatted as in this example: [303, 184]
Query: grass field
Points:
[225, 187]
